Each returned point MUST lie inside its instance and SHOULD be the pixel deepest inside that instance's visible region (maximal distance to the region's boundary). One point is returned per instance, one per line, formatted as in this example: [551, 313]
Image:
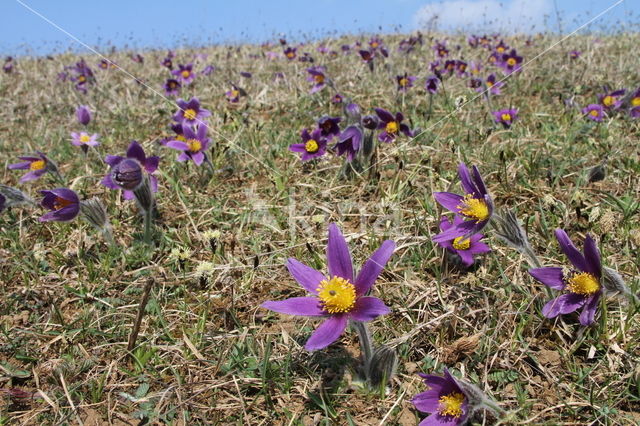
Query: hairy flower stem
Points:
[366, 346]
[147, 225]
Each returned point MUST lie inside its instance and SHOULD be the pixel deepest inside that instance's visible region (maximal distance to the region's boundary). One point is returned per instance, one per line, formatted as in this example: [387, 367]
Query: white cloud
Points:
[516, 16]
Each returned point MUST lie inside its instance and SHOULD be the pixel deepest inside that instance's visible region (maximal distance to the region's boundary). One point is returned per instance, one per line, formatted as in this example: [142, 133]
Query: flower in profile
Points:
[506, 117]
[575, 54]
[63, 203]
[594, 112]
[172, 87]
[511, 62]
[475, 206]
[329, 126]
[190, 112]
[337, 297]
[391, 125]
[349, 142]
[337, 98]
[314, 145]
[194, 146]
[290, 53]
[84, 140]
[493, 85]
[464, 246]
[461, 68]
[184, 73]
[37, 165]
[431, 85]
[367, 55]
[582, 282]
[445, 399]
[167, 62]
[634, 104]
[612, 100]
[450, 66]
[370, 122]
[83, 75]
[318, 77]
[208, 70]
[83, 114]
[127, 172]
[405, 82]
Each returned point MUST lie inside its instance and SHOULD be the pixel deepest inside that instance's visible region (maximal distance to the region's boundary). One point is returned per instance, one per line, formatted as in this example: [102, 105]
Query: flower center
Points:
[194, 145]
[172, 85]
[608, 100]
[500, 49]
[181, 138]
[290, 55]
[185, 73]
[82, 78]
[474, 208]
[190, 114]
[37, 165]
[403, 82]
[337, 295]
[506, 116]
[61, 203]
[451, 405]
[635, 101]
[85, 138]
[311, 146]
[511, 62]
[319, 78]
[461, 243]
[583, 283]
[391, 127]
[594, 113]
[489, 83]
[375, 44]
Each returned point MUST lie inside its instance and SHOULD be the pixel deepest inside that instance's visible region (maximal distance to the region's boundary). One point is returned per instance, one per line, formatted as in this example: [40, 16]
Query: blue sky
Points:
[163, 23]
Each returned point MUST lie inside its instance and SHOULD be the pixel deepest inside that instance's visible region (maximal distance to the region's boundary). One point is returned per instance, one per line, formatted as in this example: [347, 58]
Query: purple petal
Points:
[551, 277]
[177, 145]
[564, 304]
[384, 115]
[305, 306]
[466, 256]
[151, 164]
[33, 175]
[575, 257]
[373, 266]
[592, 257]
[113, 160]
[106, 181]
[327, 333]
[448, 200]
[197, 157]
[128, 195]
[477, 178]
[136, 151]
[306, 276]
[465, 180]
[368, 308]
[20, 166]
[338, 256]
[587, 316]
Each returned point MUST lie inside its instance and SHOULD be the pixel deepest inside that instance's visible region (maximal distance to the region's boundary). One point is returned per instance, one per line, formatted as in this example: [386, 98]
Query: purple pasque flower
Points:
[233, 95]
[318, 77]
[432, 83]
[445, 399]
[612, 100]
[84, 140]
[349, 142]
[314, 145]
[475, 206]
[330, 126]
[475, 68]
[370, 122]
[501, 47]
[337, 297]
[461, 68]
[37, 166]
[208, 70]
[634, 104]
[465, 247]
[449, 66]
[391, 124]
[506, 117]
[495, 59]
[63, 203]
[376, 43]
[190, 112]
[493, 85]
[172, 87]
[441, 49]
[127, 173]
[511, 62]
[583, 282]
[290, 53]
[167, 62]
[337, 99]
[405, 82]
[367, 55]
[194, 146]
[575, 54]
[594, 112]
[83, 114]
[185, 73]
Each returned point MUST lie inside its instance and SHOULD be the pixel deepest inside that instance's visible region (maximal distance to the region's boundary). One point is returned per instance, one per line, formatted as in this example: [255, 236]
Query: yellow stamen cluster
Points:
[318, 78]
[451, 405]
[85, 138]
[235, 93]
[82, 78]
[190, 114]
[506, 116]
[337, 295]
[461, 243]
[474, 208]
[608, 101]
[311, 146]
[635, 101]
[185, 73]
[511, 62]
[403, 82]
[500, 49]
[583, 283]
[375, 44]
[37, 165]
[181, 138]
[61, 203]
[391, 127]
[594, 113]
[194, 145]
[290, 55]
[489, 83]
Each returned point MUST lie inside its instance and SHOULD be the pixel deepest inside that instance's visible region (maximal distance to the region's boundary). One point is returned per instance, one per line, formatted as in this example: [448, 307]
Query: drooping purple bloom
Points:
[370, 122]
[317, 76]
[172, 87]
[83, 114]
[506, 117]
[127, 173]
[612, 100]
[63, 203]
[329, 126]
[432, 83]
[37, 166]
[349, 142]
[314, 145]
[475, 206]
[445, 399]
[583, 281]
[336, 297]
[83, 139]
[391, 125]
[405, 82]
[185, 73]
[594, 112]
[465, 247]
[190, 112]
[194, 146]
[511, 62]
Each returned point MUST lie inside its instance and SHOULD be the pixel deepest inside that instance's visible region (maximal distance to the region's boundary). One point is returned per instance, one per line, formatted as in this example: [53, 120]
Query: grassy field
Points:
[206, 352]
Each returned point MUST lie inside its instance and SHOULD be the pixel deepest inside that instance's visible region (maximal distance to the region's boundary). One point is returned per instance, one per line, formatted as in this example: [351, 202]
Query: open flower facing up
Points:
[194, 146]
[318, 77]
[511, 62]
[37, 165]
[594, 112]
[612, 100]
[290, 53]
[171, 87]
[314, 145]
[465, 247]
[184, 73]
[63, 203]
[506, 117]
[405, 82]
[83, 139]
[338, 297]
[476, 206]
[233, 95]
[127, 172]
[190, 112]
[582, 282]
[391, 125]
[446, 400]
